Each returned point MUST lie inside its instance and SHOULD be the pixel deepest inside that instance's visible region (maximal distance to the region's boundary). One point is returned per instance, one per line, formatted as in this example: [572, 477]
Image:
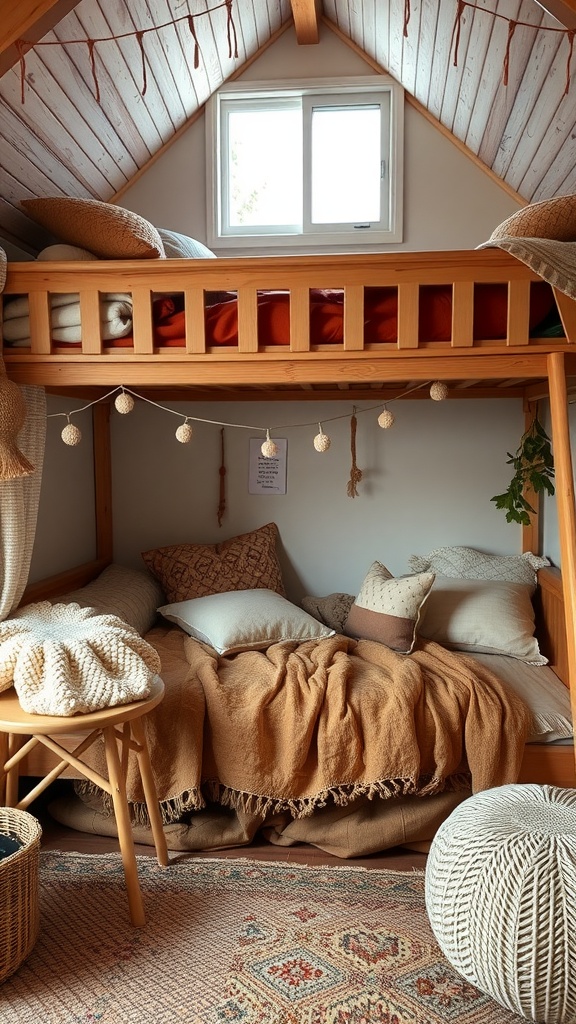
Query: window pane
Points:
[346, 164]
[265, 167]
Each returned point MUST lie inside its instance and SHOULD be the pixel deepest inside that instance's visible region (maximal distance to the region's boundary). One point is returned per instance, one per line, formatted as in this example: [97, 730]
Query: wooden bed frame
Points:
[518, 365]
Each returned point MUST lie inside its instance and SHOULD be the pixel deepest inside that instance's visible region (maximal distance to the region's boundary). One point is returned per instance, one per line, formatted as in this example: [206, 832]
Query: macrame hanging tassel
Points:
[455, 41]
[511, 30]
[140, 38]
[571, 32]
[231, 31]
[91, 45]
[355, 473]
[406, 16]
[192, 28]
[13, 463]
[222, 471]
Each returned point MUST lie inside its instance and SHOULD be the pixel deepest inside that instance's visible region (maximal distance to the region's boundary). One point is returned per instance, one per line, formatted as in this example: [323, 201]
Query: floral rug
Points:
[235, 940]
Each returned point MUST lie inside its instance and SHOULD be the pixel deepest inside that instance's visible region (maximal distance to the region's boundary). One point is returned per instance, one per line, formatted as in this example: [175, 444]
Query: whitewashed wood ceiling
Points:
[69, 126]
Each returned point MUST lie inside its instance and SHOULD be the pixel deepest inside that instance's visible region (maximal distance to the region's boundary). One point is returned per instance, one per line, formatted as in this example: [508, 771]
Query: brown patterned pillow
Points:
[246, 562]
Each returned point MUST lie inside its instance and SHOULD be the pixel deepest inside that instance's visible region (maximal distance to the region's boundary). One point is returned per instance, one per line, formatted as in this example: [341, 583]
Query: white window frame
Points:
[380, 89]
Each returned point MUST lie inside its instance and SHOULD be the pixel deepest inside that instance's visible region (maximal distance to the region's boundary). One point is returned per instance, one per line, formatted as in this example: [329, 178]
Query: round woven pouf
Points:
[501, 897]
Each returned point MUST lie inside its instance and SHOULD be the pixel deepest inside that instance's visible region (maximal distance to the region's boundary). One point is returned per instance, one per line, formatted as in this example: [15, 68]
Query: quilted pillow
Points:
[244, 620]
[331, 610]
[388, 608]
[246, 562]
[488, 616]
[109, 231]
[65, 660]
[133, 595]
[177, 246]
[467, 563]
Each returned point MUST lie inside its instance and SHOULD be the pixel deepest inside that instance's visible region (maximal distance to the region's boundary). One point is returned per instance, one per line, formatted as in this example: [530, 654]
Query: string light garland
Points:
[23, 46]
[124, 403]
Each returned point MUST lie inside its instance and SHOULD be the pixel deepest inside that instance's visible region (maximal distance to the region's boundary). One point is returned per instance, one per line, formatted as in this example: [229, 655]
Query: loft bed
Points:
[517, 359]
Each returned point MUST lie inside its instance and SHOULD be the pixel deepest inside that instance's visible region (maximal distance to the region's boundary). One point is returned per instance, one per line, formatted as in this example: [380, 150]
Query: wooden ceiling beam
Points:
[306, 14]
[30, 20]
[563, 10]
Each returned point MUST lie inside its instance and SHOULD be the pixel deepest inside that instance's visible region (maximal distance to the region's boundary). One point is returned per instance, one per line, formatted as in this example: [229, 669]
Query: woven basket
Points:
[19, 890]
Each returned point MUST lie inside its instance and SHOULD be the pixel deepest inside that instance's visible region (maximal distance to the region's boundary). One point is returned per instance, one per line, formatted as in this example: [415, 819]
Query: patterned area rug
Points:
[237, 941]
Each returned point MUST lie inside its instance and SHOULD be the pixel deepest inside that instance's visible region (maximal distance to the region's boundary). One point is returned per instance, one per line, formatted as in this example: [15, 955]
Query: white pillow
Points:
[489, 616]
[470, 564]
[244, 620]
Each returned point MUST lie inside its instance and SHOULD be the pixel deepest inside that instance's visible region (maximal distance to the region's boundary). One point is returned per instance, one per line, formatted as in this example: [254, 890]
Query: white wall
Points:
[410, 498]
[449, 202]
[427, 482]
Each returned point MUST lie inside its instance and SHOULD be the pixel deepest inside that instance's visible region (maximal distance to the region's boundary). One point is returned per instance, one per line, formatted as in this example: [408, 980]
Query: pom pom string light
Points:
[124, 403]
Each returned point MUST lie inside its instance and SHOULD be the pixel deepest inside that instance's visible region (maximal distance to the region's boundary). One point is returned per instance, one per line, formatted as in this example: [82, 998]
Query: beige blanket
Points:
[302, 726]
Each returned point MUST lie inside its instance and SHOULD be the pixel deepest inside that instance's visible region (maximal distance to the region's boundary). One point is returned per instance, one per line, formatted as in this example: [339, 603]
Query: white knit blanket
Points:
[63, 659]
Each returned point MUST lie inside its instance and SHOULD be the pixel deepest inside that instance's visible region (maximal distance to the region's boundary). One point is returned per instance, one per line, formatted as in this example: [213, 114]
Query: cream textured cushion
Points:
[109, 231]
[243, 620]
[551, 218]
[500, 891]
[388, 609]
[245, 562]
[133, 595]
[490, 616]
[63, 659]
[468, 563]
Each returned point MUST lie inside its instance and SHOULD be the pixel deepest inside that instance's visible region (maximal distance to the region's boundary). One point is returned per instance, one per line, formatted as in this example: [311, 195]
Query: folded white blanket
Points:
[65, 319]
[20, 306]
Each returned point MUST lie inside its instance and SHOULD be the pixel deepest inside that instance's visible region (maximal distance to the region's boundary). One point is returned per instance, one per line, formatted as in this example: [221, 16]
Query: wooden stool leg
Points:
[125, 837]
[150, 794]
[15, 741]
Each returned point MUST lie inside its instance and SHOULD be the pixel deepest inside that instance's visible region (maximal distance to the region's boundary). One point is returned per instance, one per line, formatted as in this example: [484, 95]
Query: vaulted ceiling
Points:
[92, 91]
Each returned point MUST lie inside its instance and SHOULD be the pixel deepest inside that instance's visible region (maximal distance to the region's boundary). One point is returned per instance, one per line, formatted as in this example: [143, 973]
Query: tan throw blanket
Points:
[302, 725]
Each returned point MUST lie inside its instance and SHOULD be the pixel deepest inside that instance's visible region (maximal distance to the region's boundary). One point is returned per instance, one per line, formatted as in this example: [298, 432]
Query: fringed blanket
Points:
[301, 725]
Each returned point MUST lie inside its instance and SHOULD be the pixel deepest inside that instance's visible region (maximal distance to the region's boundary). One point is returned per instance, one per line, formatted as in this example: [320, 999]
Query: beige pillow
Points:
[468, 563]
[246, 562]
[133, 595]
[489, 616]
[109, 231]
[552, 218]
[244, 620]
[388, 608]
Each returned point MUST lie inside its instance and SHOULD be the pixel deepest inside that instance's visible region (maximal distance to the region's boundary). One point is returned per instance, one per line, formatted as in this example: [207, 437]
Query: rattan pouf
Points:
[19, 890]
[501, 897]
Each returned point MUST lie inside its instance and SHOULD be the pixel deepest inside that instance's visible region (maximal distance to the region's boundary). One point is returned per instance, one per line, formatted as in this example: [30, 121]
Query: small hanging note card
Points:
[267, 475]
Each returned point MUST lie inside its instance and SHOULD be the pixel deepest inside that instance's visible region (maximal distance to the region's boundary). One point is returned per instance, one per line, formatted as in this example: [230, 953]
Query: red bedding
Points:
[327, 316]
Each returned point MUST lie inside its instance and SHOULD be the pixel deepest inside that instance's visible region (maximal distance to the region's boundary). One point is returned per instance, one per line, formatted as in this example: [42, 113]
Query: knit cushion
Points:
[63, 659]
[133, 595]
[470, 564]
[109, 231]
[551, 218]
[501, 897]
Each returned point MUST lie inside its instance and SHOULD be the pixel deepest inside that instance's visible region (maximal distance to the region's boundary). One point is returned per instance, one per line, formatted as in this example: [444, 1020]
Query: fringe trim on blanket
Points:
[176, 807]
[304, 807]
[170, 810]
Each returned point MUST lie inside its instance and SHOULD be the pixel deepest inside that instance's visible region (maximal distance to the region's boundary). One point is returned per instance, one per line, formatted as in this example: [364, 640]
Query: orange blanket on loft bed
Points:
[327, 317]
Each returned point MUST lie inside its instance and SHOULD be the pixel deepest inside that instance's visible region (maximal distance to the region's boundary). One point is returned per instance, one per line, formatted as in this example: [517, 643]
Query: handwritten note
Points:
[267, 475]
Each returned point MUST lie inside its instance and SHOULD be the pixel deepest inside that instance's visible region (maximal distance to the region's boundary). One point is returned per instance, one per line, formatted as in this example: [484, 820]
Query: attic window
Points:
[309, 163]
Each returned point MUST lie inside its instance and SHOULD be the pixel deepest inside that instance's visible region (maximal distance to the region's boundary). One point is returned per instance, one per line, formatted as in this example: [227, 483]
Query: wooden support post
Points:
[564, 485]
[531, 534]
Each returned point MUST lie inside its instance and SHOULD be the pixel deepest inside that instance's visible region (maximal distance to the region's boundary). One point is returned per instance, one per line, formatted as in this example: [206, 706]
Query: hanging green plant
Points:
[533, 467]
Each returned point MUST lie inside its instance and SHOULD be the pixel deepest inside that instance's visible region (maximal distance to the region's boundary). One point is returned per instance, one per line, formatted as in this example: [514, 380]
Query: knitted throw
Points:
[64, 659]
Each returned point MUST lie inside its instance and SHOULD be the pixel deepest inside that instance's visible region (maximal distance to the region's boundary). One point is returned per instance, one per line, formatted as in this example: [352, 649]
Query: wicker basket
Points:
[19, 890]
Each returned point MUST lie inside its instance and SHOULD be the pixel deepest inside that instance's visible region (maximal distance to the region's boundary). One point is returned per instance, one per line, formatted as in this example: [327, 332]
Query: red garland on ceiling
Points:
[512, 25]
[24, 45]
